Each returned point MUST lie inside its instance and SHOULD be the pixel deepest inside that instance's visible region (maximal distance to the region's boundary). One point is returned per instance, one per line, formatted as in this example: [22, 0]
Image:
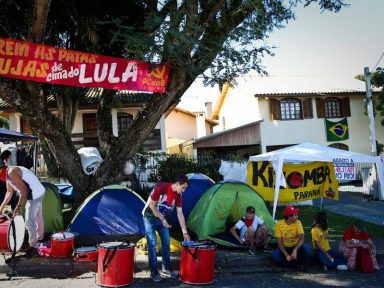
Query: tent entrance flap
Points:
[225, 238]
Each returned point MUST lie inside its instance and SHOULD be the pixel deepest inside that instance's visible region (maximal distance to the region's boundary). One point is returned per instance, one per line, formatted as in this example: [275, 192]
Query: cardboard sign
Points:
[344, 168]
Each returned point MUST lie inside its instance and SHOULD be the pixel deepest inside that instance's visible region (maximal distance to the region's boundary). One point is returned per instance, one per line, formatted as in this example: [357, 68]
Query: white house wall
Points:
[284, 132]
[180, 125]
[78, 127]
[239, 107]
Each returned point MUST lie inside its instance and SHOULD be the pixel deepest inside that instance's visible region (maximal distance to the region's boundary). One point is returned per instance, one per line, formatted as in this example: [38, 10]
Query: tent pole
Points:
[379, 173]
[35, 158]
[278, 174]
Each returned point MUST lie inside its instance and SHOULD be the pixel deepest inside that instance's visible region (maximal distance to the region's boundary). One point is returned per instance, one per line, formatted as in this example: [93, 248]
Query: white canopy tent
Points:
[309, 152]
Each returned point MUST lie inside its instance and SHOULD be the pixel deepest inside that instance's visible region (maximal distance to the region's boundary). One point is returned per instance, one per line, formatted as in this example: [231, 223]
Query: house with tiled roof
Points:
[183, 127]
[84, 133]
[262, 114]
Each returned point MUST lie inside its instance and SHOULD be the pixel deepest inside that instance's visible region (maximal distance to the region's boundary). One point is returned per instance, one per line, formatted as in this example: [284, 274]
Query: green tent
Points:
[52, 209]
[221, 206]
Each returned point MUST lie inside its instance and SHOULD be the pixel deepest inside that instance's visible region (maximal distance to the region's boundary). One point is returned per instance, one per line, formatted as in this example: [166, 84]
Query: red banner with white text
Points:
[34, 62]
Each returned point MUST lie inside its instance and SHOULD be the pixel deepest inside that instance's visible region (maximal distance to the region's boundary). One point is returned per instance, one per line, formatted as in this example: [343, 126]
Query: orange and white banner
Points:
[34, 62]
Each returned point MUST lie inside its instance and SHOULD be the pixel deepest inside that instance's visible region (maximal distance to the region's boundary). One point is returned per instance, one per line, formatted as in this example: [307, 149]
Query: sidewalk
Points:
[226, 261]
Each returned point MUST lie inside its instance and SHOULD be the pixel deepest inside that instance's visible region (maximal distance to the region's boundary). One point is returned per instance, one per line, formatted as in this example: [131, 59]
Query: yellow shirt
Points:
[289, 234]
[322, 236]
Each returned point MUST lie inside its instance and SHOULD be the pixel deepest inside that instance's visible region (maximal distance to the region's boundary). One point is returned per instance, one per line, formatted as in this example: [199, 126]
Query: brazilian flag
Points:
[337, 131]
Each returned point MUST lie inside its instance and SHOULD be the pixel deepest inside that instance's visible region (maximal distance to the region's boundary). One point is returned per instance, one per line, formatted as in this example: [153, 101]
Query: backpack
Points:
[364, 261]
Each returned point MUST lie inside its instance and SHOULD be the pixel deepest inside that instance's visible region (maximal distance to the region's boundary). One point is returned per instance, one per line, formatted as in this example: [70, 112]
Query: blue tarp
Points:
[198, 184]
[13, 136]
[112, 210]
[66, 192]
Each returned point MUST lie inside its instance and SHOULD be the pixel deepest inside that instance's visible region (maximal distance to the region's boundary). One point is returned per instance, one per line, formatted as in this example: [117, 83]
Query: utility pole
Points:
[371, 117]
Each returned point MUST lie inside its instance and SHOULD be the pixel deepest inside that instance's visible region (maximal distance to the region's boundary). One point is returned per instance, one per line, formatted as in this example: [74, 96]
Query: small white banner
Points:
[344, 168]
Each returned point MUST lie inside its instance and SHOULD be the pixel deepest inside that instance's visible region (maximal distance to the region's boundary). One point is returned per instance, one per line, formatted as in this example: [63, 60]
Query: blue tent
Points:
[113, 211]
[66, 192]
[198, 184]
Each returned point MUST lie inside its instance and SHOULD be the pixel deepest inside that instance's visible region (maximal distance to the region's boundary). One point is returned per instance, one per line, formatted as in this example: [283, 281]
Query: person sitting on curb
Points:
[250, 230]
[289, 232]
[355, 239]
[321, 248]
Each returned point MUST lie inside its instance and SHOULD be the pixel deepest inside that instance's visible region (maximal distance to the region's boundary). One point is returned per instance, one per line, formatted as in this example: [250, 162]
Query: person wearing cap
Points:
[31, 190]
[250, 230]
[289, 233]
[356, 238]
[322, 249]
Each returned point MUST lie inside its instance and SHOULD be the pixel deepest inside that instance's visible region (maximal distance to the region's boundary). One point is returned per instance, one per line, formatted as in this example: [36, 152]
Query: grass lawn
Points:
[336, 222]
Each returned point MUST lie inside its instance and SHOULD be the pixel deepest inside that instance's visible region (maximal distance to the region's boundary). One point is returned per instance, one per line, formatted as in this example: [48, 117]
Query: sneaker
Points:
[169, 274]
[31, 253]
[155, 277]
[251, 251]
[342, 267]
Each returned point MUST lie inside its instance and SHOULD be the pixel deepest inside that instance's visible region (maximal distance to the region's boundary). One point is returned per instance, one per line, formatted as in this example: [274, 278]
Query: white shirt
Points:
[243, 228]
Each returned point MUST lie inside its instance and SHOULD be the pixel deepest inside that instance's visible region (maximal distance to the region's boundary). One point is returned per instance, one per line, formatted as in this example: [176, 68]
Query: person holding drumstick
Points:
[22, 180]
[159, 206]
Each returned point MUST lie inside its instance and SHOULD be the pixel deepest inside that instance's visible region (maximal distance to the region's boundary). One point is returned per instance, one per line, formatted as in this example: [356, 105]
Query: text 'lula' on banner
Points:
[35, 62]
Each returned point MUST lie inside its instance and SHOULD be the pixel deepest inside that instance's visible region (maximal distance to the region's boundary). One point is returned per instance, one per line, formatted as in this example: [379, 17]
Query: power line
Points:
[378, 62]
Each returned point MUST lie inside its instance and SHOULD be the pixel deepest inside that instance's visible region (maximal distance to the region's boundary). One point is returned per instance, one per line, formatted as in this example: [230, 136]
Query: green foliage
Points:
[176, 165]
[4, 122]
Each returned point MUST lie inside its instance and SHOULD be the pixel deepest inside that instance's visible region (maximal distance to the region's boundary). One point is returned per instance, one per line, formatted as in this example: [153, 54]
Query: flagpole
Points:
[371, 117]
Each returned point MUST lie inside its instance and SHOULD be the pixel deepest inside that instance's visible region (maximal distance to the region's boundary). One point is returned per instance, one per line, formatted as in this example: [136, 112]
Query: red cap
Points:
[290, 210]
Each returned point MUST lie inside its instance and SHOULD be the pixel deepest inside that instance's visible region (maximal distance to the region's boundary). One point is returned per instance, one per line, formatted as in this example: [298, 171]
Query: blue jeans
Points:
[338, 258]
[151, 226]
[302, 256]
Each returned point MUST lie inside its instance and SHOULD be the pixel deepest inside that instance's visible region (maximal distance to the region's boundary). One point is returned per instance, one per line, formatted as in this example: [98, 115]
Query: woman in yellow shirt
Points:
[321, 248]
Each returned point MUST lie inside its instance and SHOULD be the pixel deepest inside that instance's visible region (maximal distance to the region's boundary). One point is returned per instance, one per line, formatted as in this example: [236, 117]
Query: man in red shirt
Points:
[159, 206]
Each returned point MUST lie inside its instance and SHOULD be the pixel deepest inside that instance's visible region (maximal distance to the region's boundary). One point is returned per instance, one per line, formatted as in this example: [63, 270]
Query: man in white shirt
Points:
[22, 180]
[251, 231]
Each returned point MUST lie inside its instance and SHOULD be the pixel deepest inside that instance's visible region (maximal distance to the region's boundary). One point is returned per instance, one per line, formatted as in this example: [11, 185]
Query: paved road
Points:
[261, 275]
[314, 279]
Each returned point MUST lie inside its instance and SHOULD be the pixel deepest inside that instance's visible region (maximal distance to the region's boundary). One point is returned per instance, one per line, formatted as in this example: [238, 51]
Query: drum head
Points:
[198, 244]
[63, 236]
[19, 233]
[111, 245]
[86, 249]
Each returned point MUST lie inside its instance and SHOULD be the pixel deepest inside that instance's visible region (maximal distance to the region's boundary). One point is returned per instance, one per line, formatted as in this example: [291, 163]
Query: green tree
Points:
[217, 39]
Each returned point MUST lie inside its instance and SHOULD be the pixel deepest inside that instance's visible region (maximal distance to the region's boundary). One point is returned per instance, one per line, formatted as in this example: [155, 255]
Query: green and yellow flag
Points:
[337, 131]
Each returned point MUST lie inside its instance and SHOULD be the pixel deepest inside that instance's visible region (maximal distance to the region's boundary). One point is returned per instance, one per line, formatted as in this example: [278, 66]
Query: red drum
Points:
[197, 262]
[62, 244]
[85, 254]
[115, 264]
[12, 231]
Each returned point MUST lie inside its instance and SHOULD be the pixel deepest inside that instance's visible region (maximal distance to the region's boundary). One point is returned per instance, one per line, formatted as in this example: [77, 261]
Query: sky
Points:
[335, 45]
